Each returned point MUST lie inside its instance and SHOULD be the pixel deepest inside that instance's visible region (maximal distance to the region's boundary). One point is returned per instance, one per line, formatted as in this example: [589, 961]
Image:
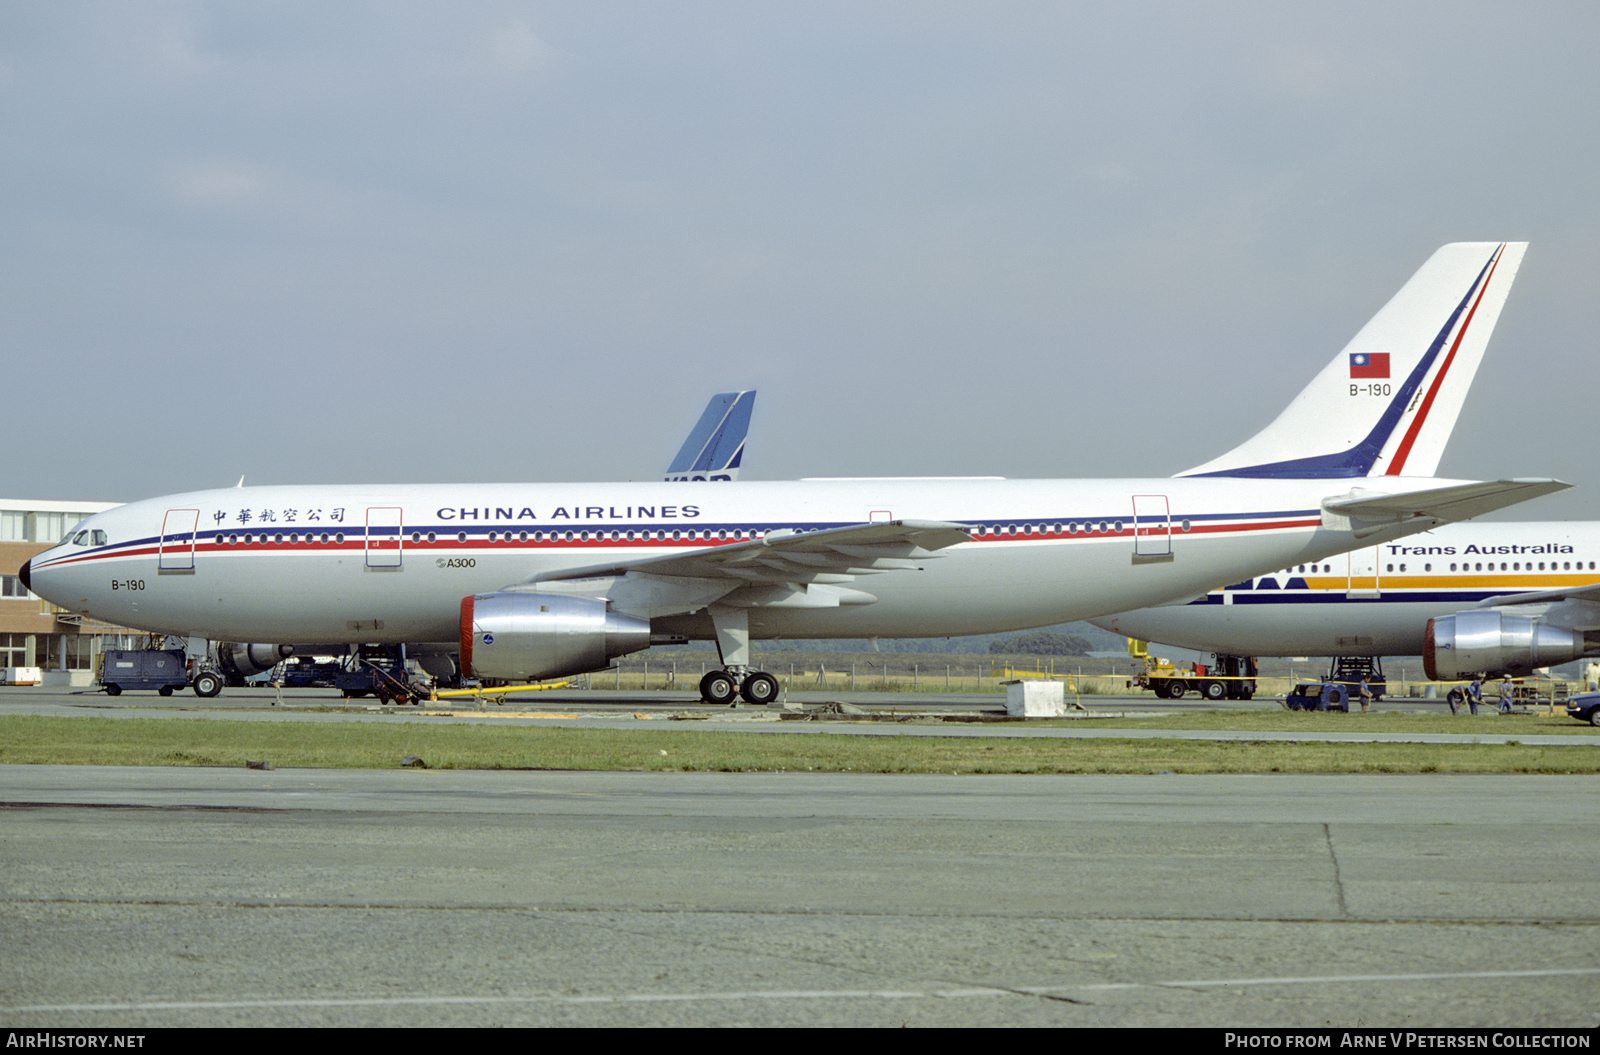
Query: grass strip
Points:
[28, 739]
[1277, 720]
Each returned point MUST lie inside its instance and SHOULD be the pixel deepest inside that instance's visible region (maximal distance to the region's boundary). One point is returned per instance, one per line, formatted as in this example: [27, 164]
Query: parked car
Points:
[1585, 707]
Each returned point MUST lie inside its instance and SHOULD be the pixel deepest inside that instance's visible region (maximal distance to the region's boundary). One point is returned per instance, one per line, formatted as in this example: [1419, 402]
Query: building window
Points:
[13, 526]
[13, 650]
[47, 651]
[11, 586]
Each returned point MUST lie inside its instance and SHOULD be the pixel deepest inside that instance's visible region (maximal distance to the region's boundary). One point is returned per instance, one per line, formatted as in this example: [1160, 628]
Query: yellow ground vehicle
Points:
[1233, 677]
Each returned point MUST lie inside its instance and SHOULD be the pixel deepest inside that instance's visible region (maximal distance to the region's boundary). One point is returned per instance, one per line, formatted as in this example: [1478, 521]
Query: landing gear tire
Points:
[759, 688]
[719, 687]
[207, 685]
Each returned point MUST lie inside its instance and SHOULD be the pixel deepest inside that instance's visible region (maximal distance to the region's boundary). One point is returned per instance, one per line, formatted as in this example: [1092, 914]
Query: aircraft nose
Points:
[25, 574]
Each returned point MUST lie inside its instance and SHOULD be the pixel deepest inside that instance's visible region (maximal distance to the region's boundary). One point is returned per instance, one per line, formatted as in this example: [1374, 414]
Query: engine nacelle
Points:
[1487, 641]
[529, 636]
[245, 660]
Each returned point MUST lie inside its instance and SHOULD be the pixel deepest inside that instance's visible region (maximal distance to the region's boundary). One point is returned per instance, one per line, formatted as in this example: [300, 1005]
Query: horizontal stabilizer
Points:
[1373, 511]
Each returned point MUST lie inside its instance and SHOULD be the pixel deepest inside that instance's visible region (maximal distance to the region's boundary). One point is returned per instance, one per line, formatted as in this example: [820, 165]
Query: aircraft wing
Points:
[1575, 607]
[785, 568]
[1372, 511]
[1544, 596]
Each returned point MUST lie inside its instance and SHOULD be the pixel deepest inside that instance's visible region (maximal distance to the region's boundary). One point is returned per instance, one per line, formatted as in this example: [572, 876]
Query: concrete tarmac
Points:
[143, 897]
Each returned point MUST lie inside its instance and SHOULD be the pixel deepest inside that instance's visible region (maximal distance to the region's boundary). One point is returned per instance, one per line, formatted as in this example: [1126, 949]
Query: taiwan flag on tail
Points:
[1369, 364]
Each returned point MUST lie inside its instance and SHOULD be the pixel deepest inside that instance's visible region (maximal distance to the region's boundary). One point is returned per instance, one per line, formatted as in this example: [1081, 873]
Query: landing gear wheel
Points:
[719, 687]
[113, 690]
[1213, 690]
[760, 688]
[207, 685]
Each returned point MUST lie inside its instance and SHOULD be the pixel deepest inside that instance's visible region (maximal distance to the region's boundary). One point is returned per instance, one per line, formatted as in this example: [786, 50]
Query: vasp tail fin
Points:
[1387, 403]
[715, 446]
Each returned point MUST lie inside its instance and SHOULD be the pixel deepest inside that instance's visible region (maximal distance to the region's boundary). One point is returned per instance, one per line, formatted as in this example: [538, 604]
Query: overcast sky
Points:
[395, 241]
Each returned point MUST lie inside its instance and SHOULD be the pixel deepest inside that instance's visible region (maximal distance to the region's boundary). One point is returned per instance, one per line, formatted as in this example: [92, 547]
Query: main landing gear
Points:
[736, 678]
[723, 687]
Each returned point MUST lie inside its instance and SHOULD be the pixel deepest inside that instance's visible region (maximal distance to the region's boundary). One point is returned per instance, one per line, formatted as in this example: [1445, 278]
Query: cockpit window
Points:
[88, 537]
[81, 538]
[97, 537]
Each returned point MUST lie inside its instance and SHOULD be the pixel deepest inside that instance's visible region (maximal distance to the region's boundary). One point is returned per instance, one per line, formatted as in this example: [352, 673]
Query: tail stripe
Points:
[1398, 463]
[1359, 459]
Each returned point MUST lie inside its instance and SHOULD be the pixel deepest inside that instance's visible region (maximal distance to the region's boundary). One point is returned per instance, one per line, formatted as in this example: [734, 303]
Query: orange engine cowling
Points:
[529, 636]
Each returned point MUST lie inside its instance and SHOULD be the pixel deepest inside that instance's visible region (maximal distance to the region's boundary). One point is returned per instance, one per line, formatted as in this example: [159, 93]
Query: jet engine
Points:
[529, 636]
[245, 660]
[1488, 641]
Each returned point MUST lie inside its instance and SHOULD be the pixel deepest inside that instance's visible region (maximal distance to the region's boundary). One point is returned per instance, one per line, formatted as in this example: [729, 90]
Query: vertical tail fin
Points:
[1388, 402]
[715, 447]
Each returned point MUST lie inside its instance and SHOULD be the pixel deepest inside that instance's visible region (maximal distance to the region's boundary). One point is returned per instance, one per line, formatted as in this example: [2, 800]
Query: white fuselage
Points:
[1376, 600]
[325, 564]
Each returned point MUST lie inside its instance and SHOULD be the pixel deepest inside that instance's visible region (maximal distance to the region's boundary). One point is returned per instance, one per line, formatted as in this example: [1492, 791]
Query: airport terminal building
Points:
[35, 634]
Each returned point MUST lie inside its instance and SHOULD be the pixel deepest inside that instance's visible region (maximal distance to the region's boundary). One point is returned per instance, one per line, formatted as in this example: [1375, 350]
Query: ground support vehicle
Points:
[305, 672]
[1318, 696]
[161, 669]
[1238, 674]
[1340, 686]
[1229, 678]
[392, 686]
[380, 672]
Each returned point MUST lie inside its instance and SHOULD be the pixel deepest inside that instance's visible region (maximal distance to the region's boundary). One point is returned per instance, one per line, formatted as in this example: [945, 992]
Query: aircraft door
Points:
[1365, 579]
[383, 536]
[177, 540]
[1152, 529]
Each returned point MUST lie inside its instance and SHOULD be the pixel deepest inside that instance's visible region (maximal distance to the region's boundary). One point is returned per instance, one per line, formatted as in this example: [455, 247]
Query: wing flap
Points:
[784, 556]
[784, 569]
